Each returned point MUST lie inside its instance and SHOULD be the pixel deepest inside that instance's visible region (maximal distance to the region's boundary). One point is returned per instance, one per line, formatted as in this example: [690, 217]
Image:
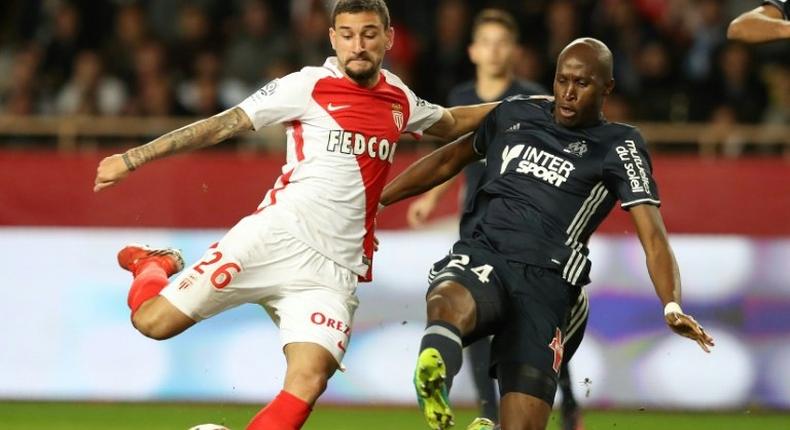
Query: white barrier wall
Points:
[65, 331]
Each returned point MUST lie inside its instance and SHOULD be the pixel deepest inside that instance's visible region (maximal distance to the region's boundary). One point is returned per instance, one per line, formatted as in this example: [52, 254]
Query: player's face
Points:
[492, 50]
[579, 91]
[360, 41]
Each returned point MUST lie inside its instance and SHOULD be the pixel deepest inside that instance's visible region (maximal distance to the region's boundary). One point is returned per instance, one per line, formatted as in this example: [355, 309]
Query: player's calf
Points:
[158, 319]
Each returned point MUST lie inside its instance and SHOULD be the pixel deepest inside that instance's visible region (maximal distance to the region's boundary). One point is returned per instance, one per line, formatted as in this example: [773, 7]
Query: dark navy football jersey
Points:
[783, 5]
[548, 187]
[466, 94]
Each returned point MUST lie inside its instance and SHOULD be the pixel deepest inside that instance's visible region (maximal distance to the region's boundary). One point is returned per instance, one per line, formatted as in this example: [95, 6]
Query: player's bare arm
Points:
[459, 120]
[664, 273]
[430, 171]
[199, 134]
[762, 24]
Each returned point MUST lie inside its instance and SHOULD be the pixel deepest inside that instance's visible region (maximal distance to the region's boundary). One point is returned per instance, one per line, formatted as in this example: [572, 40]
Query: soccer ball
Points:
[208, 427]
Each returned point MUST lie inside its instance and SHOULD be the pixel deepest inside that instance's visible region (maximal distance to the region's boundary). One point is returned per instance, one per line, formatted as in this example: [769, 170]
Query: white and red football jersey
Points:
[341, 140]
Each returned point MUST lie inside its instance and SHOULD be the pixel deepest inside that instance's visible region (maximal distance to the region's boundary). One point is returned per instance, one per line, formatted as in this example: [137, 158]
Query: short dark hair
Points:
[495, 16]
[357, 6]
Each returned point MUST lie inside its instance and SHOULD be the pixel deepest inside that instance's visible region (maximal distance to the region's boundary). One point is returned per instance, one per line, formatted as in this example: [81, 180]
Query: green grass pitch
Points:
[137, 416]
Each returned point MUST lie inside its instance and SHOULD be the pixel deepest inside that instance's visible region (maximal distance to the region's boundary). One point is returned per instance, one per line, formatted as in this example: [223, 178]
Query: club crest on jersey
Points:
[578, 148]
[397, 115]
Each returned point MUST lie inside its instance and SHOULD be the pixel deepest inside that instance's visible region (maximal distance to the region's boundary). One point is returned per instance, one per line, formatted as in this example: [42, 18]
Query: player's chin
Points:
[361, 73]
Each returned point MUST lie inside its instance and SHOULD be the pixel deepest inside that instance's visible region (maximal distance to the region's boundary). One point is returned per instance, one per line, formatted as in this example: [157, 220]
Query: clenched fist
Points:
[111, 170]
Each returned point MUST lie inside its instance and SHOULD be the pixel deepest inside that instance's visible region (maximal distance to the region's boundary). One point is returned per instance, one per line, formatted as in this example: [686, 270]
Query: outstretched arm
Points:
[762, 24]
[430, 171]
[199, 134]
[459, 120]
[664, 273]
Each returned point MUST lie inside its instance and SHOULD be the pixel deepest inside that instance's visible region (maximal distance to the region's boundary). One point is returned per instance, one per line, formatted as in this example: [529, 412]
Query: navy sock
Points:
[447, 340]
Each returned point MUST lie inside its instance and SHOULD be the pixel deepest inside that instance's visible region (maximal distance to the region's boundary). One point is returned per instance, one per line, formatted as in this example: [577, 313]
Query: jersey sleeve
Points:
[486, 132]
[628, 172]
[422, 114]
[782, 5]
[281, 100]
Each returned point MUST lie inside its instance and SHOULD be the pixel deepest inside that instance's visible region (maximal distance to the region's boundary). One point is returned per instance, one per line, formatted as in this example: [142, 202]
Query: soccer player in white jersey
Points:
[767, 22]
[301, 253]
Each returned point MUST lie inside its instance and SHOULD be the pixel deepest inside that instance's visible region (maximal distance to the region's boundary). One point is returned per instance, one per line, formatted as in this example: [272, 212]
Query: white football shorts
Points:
[309, 296]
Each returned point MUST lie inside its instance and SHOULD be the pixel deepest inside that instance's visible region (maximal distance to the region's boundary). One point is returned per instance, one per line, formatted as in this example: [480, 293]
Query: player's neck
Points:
[491, 88]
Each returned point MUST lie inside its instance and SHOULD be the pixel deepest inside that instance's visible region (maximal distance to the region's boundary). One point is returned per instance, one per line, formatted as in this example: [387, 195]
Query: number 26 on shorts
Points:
[222, 275]
[460, 261]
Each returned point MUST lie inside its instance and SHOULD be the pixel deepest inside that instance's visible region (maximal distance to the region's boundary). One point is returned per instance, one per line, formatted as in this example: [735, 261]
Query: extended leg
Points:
[451, 315]
[309, 367]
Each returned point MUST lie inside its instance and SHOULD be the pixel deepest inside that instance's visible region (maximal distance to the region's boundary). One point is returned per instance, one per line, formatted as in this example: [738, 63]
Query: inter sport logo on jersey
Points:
[538, 163]
[634, 167]
[350, 142]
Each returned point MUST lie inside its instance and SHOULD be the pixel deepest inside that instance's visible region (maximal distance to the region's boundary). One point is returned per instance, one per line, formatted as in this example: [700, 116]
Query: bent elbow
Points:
[734, 31]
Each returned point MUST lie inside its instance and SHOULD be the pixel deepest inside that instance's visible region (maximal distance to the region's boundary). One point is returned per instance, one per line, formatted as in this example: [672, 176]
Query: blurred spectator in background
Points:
[736, 83]
[445, 57]
[310, 43]
[22, 96]
[258, 45]
[90, 91]
[656, 82]
[562, 26]
[707, 37]
[205, 86]
[778, 78]
[625, 32]
[130, 34]
[194, 35]
[62, 45]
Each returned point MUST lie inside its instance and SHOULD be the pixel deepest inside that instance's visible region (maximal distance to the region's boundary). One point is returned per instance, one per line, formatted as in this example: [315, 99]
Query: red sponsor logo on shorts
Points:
[557, 346]
[319, 318]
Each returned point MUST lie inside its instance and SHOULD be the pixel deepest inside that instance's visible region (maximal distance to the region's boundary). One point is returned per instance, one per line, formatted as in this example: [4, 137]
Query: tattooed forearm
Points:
[199, 134]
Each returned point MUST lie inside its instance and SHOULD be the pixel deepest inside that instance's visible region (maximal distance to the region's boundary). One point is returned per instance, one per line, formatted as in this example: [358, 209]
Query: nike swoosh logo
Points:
[331, 108]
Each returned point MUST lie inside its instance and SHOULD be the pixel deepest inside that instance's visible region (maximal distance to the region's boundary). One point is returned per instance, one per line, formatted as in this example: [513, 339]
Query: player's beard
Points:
[362, 77]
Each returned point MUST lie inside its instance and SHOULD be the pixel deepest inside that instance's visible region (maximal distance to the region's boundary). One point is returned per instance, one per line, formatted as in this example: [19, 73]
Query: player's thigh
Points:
[482, 276]
[316, 304]
[528, 351]
[243, 267]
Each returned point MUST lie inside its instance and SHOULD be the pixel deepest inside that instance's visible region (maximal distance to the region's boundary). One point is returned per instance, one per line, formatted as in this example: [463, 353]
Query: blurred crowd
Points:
[197, 57]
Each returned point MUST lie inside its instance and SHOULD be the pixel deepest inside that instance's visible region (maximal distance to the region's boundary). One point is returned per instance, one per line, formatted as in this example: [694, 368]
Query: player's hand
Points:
[687, 326]
[419, 211]
[111, 170]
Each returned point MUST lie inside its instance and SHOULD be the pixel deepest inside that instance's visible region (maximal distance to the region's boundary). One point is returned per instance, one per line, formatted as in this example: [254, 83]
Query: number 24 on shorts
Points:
[460, 261]
[222, 275]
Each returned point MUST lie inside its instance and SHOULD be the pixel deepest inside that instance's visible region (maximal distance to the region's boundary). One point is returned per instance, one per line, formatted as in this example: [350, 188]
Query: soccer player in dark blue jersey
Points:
[554, 169]
[493, 52]
[770, 21]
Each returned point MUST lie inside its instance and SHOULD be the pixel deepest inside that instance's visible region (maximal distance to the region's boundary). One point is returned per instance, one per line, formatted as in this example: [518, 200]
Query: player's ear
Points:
[390, 34]
[608, 87]
[332, 35]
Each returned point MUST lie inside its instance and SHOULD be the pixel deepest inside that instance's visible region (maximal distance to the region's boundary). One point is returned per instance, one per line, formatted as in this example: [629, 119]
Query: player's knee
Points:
[451, 302]
[311, 383]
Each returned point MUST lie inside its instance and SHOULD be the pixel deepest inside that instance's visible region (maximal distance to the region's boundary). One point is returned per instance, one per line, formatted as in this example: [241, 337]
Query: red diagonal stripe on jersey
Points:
[368, 111]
